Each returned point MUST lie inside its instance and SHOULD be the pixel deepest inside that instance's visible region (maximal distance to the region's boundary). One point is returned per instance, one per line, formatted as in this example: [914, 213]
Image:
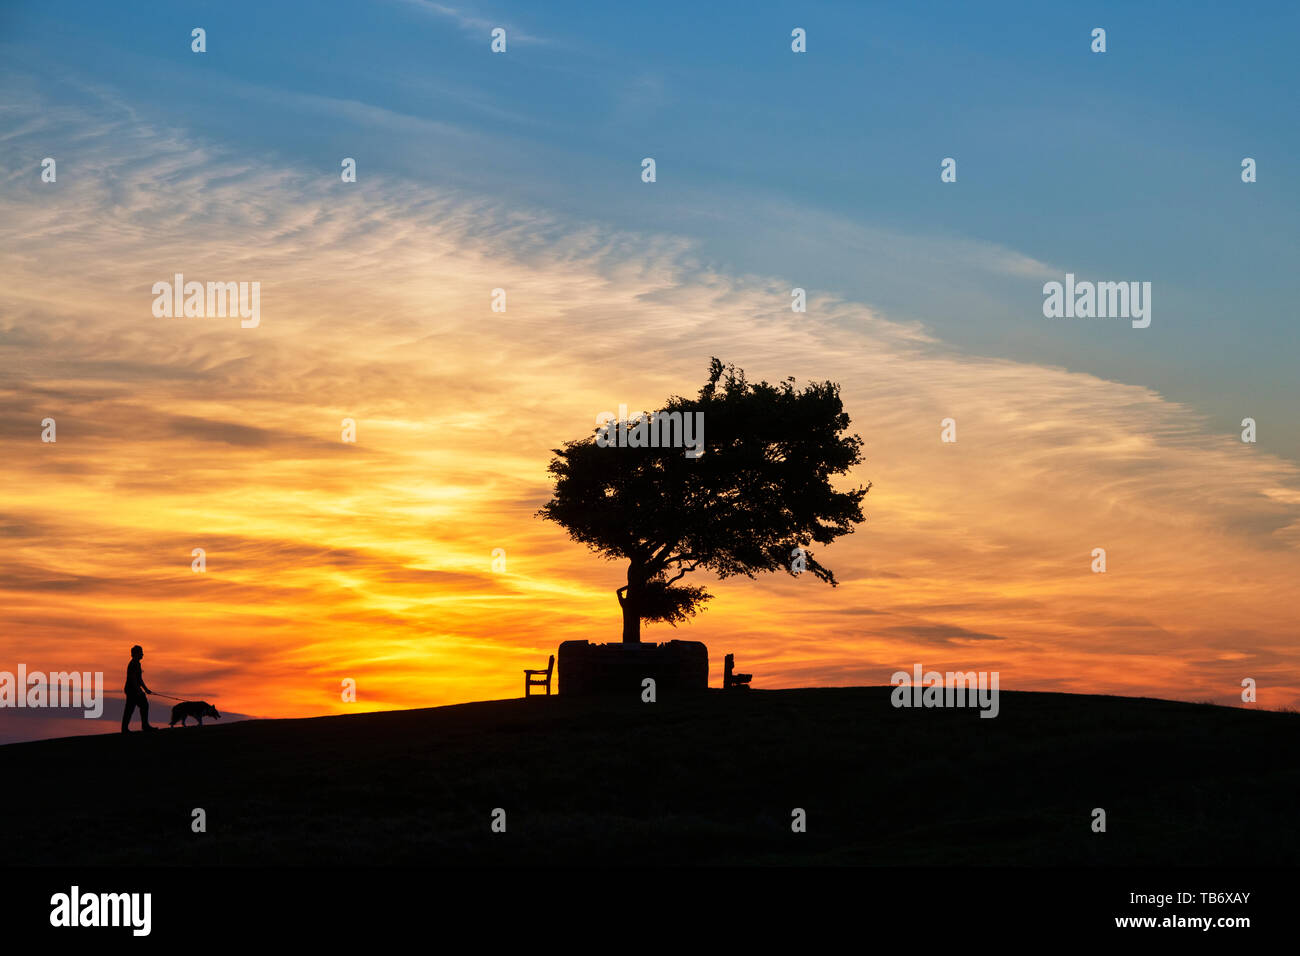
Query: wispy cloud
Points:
[372, 560]
[473, 23]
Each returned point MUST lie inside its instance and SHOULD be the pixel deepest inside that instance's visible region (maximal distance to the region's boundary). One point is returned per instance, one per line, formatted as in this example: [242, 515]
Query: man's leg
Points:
[143, 704]
[126, 713]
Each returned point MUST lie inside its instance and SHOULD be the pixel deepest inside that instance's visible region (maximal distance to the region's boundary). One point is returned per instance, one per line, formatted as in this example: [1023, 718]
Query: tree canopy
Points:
[760, 489]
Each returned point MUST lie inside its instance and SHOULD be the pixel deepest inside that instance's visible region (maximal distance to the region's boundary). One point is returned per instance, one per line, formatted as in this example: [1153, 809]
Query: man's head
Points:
[137, 652]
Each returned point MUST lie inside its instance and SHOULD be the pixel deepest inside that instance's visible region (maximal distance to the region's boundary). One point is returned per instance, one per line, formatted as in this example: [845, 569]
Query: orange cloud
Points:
[328, 560]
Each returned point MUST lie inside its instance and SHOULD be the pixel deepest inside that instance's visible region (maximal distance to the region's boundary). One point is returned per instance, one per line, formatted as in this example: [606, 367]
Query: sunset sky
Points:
[372, 561]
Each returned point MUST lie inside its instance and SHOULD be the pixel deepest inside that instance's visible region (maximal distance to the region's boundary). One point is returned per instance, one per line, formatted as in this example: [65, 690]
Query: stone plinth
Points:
[677, 667]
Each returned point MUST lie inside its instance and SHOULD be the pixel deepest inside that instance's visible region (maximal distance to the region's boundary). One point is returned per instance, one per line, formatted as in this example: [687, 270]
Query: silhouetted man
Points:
[135, 692]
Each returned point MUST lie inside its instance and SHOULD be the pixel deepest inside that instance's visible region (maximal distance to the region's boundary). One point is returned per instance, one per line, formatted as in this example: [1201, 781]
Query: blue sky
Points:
[819, 168]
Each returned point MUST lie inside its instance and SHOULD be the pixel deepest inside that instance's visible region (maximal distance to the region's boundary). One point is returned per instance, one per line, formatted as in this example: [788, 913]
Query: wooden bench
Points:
[539, 678]
[732, 680]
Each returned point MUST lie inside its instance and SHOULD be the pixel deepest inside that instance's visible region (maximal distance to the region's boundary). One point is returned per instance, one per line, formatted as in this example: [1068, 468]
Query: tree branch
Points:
[680, 574]
[658, 556]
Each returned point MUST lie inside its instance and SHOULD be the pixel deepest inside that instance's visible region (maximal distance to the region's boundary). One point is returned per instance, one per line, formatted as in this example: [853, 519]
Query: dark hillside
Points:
[708, 780]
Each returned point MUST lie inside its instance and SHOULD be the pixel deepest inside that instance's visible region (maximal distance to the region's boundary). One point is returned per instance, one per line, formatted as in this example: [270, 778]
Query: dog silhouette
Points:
[198, 709]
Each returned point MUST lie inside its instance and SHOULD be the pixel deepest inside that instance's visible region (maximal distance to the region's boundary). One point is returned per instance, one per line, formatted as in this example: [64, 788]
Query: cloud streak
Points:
[371, 560]
[472, 23]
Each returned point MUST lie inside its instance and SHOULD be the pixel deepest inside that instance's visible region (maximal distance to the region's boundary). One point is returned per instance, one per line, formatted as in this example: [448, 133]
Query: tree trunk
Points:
[631, 622]
[629, 599]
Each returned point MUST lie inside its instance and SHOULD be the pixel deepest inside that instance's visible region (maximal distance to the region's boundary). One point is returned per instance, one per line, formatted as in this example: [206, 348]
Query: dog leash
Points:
[168, 696]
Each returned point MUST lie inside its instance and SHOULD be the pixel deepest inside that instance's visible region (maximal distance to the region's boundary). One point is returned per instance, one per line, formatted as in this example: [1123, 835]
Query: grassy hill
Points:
[706, 780]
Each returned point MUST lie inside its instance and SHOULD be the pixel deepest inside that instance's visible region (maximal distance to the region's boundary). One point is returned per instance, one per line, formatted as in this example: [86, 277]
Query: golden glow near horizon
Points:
[373, 560]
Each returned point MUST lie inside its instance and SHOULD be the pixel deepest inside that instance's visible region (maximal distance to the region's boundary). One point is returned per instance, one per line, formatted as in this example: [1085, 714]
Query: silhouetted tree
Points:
[760, 489]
